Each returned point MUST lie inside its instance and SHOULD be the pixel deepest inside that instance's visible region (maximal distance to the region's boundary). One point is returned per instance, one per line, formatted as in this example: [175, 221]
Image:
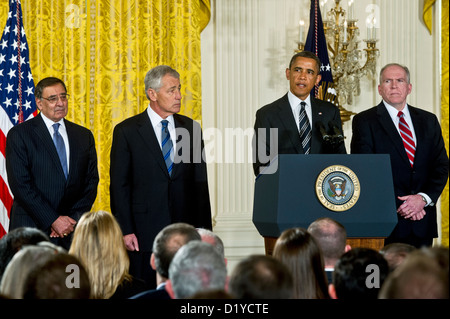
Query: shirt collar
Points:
[294, 101]
[156, 119]
[49, 122]
[393, 112]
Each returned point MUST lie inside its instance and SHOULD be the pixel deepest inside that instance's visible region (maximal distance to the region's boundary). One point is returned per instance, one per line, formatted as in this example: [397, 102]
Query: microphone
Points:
[337, 132]
[323, 132]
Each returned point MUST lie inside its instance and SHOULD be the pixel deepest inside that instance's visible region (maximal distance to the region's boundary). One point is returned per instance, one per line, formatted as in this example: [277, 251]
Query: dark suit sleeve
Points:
[20, 179]
[362, 142]
[437, 164]
[201, 185]
[121, 185]
[262, 141]
[88, 177]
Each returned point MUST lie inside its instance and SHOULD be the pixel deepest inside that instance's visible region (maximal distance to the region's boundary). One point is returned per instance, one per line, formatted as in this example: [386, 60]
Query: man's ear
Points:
[152, 261]
[152, 94]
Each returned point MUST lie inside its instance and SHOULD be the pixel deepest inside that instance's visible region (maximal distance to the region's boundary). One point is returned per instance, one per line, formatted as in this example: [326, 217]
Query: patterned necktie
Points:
[305, 129]
[407, 137]
[60, 147]
[166, 145]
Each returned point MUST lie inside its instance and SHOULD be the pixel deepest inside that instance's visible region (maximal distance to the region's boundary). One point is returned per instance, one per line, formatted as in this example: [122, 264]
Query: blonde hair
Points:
[98, 243]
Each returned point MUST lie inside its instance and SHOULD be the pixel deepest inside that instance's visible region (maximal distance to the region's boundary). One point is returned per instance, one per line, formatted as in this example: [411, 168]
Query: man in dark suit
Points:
[150, 190]
[284, 115]
[419, 161]
[168, 241]
[51, 193]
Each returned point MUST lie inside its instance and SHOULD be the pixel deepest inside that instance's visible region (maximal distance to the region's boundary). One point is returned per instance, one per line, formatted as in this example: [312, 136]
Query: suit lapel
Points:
[147, 133]
[180, 123]
[317, 112]
[47, 142]
[73, 146]
[386, 123]
[288, 121]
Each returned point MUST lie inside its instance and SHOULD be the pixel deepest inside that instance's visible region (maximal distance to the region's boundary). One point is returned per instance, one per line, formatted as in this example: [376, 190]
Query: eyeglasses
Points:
[53, 99]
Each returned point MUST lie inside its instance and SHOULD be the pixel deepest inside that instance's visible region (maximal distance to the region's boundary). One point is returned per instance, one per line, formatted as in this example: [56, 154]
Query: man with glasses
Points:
[52, 167]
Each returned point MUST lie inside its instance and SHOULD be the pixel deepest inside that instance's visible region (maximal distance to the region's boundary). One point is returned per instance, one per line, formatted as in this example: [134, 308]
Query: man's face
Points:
[394, 86]
[303, 76]
[167, 100]
[57, 109]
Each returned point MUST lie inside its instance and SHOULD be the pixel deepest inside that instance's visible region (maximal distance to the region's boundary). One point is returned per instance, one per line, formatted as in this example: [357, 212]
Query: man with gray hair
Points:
[196, 267]
[158, 173]
[413, 139]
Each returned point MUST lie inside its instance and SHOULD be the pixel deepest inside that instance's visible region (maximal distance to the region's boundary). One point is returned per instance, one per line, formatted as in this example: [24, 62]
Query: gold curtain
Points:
[102, 51]
[428, 13]
[445, 113]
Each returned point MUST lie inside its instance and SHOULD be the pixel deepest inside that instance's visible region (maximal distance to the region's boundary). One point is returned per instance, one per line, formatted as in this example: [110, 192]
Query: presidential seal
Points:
[337, 188]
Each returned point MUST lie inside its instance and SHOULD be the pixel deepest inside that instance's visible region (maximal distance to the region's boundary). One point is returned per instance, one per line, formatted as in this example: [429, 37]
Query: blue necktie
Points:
[60, 148]
[166, 145]
[305, 129]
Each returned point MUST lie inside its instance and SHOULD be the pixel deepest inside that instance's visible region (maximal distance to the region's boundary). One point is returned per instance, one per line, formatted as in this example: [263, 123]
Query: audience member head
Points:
[298, 250]
[98, 244]
[197, 266]
[331, 237]
[62, 276]
[13, 241]
[166, 244]
[23, 262]
[395, 253]
[423, 274]
[261, 277]
[208, 236]
[359, 274]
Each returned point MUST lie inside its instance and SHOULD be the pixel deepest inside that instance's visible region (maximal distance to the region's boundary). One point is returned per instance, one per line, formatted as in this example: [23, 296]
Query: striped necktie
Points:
[166, 145]
[60, 148]
[305, 129]
[407, 137]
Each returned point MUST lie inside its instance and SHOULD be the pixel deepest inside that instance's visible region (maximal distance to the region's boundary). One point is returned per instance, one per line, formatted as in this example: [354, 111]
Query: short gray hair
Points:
[197, 266]
[399, 65]
[153, 78]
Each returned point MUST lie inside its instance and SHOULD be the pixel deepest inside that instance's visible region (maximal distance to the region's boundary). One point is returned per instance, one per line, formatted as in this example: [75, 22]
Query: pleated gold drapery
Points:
[102, 51]
[445, 113]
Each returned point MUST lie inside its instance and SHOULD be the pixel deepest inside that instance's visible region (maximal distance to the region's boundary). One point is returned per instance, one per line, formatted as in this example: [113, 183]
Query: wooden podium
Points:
[374, 242]
[288, 197]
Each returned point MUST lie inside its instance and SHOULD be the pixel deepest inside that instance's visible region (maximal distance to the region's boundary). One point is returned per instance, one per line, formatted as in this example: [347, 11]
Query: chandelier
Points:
[341, 33]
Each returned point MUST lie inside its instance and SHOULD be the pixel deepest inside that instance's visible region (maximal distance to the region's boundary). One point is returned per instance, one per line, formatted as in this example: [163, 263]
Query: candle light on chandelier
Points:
[346, 59]
[302, 35]
[371, 30]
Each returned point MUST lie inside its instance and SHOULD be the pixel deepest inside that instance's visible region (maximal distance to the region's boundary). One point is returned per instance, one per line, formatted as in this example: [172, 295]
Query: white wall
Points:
[245, 50]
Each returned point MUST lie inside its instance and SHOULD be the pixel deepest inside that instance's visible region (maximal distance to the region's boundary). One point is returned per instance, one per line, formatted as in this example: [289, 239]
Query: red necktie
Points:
[407, 137]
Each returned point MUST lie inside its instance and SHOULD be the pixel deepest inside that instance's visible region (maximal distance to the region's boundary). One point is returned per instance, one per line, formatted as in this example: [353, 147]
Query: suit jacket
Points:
[36, 178]
[158, 293]
[375, 133]
[278, 114]
[144, 198]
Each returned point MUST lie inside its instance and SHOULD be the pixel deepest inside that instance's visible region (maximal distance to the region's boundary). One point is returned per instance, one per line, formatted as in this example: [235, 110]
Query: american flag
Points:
[317, 44]
[16, 95]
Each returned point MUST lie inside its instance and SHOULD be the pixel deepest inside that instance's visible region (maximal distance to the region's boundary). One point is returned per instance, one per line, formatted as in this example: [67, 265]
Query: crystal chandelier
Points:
[341, 33]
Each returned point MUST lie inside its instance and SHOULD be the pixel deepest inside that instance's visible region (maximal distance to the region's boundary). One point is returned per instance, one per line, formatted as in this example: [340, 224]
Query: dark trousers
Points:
[140, 267]
[413, 240]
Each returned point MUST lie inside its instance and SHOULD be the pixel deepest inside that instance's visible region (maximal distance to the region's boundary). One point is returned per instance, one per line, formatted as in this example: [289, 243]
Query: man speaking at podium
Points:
[300, 120]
